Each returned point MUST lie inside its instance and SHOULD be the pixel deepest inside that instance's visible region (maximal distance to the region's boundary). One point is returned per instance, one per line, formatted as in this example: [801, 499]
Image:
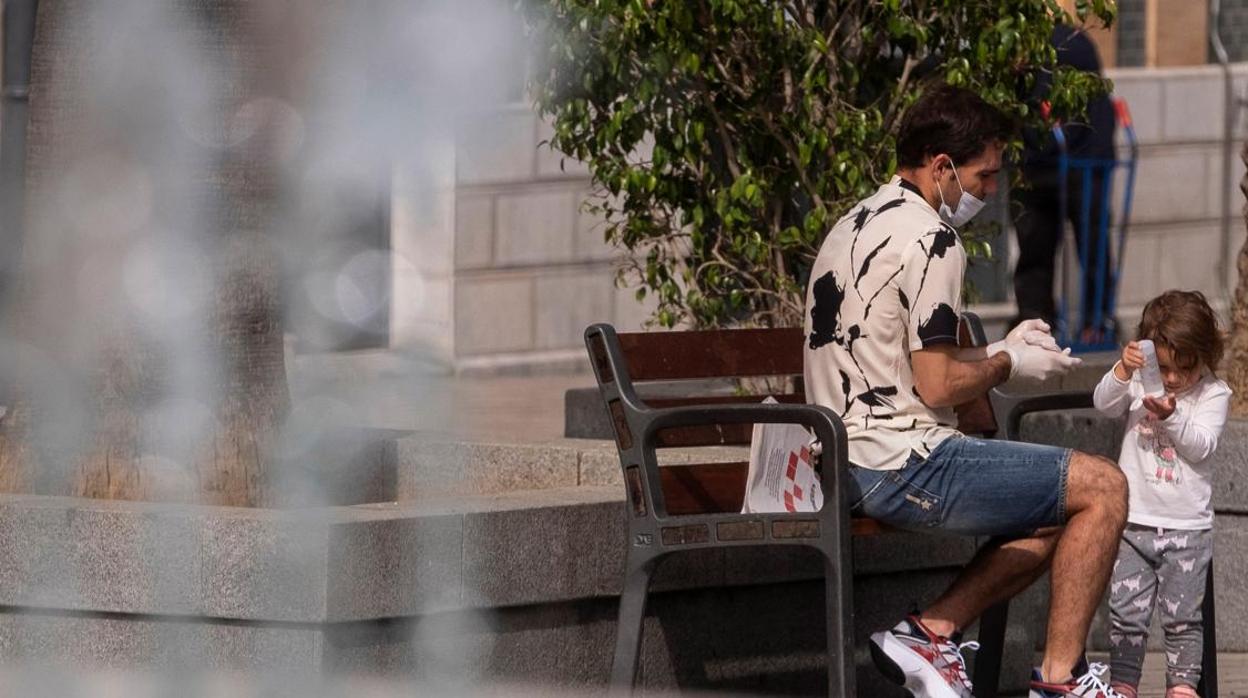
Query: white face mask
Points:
[968, 205]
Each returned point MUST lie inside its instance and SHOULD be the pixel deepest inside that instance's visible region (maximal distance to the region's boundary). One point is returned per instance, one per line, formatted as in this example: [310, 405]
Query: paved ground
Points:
[383, 391]
[1232, 675]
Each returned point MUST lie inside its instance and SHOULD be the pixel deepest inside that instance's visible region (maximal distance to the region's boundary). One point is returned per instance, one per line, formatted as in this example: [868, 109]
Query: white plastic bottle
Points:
[1150, 374]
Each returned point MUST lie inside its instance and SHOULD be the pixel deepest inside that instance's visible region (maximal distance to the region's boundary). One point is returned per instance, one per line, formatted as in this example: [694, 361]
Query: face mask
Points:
[968, 205]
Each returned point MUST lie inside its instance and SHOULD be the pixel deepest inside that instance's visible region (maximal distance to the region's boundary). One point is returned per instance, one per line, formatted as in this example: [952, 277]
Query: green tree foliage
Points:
[726, 136]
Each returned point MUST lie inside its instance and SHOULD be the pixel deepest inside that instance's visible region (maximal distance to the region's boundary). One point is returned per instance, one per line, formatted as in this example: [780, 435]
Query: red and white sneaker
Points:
[1086, 683]
[924, 663]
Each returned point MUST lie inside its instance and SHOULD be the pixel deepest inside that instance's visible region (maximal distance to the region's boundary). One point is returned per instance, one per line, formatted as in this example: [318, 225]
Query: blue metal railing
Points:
[1095, 329]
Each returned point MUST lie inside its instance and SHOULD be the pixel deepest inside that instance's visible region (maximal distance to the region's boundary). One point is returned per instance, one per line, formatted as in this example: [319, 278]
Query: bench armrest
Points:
[826, 425]
[1010, 408]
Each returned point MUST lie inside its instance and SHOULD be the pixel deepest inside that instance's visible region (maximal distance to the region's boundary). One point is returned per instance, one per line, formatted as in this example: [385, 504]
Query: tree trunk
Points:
[145, 347]
[1237, 367]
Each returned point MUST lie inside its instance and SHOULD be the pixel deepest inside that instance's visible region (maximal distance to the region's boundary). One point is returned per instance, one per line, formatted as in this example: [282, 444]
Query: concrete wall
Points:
[527, 270]
[497, 267]
[1175, 236]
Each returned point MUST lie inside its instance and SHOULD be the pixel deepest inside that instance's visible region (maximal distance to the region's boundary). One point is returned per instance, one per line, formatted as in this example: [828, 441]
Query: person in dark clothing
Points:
[1035, 206]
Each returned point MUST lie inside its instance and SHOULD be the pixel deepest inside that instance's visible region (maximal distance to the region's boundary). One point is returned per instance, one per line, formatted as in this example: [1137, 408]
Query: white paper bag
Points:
[781, 475]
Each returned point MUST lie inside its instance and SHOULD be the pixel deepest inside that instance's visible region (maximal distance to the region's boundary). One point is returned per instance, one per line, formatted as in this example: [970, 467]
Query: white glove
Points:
[1042, 339]
[1034, 332]
[1033, 361]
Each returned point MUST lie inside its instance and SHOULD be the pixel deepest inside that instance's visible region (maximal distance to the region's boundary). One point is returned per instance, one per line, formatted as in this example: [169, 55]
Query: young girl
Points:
[1165, 550]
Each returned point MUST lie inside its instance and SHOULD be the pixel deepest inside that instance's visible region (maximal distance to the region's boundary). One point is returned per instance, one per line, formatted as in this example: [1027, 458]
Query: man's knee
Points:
[1095, 481]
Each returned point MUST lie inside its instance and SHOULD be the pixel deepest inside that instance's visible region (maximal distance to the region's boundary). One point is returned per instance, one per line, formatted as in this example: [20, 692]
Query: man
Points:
[881, 325]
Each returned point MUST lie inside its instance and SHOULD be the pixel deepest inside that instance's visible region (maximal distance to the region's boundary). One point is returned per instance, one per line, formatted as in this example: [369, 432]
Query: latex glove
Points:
[1032, 361]
[1034, 332]
[1042, 339]
[1026, 328]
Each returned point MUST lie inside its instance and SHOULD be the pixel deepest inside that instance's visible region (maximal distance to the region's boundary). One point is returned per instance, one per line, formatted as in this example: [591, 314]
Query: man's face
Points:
[977, 176]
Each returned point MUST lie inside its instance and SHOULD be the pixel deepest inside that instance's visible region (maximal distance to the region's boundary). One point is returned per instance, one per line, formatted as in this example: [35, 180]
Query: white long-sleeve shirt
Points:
[1170, 481]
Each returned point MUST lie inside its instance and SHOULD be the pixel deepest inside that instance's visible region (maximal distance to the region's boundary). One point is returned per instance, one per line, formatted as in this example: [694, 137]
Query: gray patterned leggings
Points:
[1153, 565]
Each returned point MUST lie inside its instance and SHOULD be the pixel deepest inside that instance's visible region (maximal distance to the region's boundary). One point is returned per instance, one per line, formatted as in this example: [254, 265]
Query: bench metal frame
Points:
[653, 535]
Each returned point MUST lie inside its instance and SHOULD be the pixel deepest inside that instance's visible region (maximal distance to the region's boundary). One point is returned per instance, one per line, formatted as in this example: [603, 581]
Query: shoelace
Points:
[1092, 679]
[952, 654]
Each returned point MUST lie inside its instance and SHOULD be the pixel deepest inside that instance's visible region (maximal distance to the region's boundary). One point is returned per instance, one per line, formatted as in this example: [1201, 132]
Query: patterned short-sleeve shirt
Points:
[887, 281]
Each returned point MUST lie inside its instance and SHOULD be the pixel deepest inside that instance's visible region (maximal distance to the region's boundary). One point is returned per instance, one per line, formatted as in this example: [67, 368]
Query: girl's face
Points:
[1175, 377]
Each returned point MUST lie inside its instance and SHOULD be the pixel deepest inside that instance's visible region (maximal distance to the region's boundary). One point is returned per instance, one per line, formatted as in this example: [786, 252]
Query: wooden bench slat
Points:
[709, 435]
[703, 488]
[712, 434]
[862, 526]
[974, 416]
[702, 354]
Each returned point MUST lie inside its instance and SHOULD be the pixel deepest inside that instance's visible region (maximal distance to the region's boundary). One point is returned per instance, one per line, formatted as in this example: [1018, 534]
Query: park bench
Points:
[677, 508]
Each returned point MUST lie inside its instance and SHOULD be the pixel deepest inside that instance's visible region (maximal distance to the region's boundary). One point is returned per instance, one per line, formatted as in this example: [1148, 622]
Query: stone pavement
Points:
[1232, 674]
[383, 390]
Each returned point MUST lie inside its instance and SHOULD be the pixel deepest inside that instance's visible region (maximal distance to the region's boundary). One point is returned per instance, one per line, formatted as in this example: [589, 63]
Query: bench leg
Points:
[1208, 686]
[838, 573]
[992, 624]
[628, 629]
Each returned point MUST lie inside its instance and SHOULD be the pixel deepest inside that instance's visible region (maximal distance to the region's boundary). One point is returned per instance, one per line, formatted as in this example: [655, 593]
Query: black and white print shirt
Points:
[887, 281]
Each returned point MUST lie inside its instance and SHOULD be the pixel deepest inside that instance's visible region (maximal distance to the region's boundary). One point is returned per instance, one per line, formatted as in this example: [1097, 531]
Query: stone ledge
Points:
[1089, 431]
[433, 466]
[369, 561]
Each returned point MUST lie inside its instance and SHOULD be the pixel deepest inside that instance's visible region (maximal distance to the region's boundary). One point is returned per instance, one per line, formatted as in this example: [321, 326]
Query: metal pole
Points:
[1228, 124]
[19, 40]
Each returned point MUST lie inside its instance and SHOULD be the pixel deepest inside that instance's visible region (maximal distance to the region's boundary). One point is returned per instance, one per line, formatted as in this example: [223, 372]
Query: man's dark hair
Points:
[950, 120]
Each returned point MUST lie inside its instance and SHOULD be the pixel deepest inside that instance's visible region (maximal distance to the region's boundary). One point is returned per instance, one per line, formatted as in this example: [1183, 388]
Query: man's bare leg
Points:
[1082, 558]
[1096, 506]
[998, 572]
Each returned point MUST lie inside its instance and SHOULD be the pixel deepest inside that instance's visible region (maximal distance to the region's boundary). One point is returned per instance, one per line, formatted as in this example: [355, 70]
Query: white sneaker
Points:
[924, 663]
[1086, 683]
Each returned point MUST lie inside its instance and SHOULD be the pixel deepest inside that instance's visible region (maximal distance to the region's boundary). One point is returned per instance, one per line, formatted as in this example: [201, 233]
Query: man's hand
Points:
[1033, 332]
[1131, 361]
[1042, 339]
[1161, 407]
[1031, 361]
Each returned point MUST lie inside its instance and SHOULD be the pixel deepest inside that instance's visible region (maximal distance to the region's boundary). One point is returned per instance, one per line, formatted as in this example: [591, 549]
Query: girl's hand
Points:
[1132, 359]
[1161, 407]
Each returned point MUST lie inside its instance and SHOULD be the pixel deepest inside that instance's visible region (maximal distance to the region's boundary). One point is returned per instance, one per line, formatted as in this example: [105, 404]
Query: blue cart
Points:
[1094, 327]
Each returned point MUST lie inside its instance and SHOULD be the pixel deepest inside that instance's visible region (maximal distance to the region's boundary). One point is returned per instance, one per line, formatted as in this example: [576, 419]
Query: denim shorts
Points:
[968, 486]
